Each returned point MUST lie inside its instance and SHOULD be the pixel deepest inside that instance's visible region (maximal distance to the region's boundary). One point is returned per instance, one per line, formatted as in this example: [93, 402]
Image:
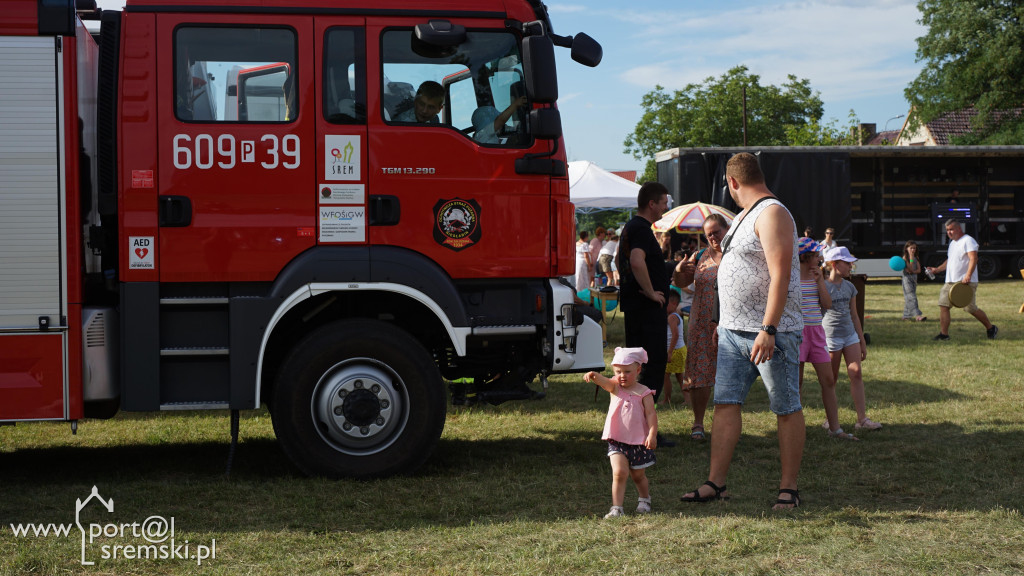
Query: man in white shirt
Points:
[829, 241]
[961, 267]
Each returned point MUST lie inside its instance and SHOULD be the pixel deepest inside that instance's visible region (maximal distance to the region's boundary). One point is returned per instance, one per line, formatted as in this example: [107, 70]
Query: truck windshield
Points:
[476, 87]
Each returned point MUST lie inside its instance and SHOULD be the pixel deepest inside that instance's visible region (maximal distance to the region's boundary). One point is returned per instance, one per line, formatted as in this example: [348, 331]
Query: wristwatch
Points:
[771, 330]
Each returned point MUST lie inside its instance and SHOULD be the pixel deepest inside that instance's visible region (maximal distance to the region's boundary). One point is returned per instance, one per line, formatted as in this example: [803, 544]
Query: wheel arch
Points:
[317, 304]
[331, 283]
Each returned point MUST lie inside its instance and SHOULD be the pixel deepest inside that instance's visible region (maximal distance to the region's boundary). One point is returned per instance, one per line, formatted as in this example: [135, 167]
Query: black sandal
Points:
[795, 500]
[698, 498]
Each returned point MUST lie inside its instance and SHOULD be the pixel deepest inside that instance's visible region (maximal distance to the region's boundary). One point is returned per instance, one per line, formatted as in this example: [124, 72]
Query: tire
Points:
[989, 267]
[358, 399]
[1016, 265]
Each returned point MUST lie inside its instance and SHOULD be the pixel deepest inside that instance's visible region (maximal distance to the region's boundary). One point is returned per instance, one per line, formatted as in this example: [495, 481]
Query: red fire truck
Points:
[219, 205]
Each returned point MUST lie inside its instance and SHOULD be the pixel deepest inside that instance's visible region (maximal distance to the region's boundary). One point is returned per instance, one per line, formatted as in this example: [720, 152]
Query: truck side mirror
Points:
[539, 59]
[545, 123]
[586, 50]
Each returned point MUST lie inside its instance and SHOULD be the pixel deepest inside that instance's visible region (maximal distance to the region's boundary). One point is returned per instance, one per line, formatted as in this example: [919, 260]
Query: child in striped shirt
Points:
[814, 299]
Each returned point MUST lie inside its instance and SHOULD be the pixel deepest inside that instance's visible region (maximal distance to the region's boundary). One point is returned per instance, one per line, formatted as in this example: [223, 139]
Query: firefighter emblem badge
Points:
[457, 223]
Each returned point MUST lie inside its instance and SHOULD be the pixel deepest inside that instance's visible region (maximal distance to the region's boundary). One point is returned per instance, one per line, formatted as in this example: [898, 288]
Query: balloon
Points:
[897, 264]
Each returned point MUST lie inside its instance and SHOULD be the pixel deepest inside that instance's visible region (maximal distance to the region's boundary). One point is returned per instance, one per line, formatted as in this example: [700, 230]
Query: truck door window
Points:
[481, 81]
[344, 83]
[235, 74]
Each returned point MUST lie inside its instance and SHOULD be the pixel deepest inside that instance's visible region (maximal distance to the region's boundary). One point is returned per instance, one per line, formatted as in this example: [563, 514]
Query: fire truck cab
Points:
[322, 208]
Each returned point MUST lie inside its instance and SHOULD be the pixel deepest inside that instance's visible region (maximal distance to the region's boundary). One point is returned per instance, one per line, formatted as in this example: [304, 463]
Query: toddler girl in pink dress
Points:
[631, 428]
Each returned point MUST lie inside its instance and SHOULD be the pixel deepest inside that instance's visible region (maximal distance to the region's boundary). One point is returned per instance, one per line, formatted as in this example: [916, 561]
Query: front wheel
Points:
[360, 399]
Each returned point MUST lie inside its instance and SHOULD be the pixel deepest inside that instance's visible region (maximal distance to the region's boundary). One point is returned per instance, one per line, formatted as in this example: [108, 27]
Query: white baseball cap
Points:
[839, 253]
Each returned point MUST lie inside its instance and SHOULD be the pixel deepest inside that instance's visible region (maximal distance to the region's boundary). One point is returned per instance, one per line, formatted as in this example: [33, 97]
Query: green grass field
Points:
[521, 488]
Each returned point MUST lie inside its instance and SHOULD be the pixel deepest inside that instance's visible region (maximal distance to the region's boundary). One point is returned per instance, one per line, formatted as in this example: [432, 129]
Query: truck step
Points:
[508, 330]
[198, 351]
[193, 301]
[195, 406]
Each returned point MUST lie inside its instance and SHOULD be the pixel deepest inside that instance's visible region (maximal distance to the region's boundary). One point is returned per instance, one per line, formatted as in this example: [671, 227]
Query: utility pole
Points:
[744, 116]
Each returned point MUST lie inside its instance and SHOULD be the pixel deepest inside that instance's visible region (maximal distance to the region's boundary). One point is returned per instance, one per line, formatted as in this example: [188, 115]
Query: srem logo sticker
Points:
[457, 223]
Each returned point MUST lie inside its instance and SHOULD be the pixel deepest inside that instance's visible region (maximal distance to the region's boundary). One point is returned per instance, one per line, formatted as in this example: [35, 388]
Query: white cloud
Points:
[566, 8]
[671, 74]
[844, 48]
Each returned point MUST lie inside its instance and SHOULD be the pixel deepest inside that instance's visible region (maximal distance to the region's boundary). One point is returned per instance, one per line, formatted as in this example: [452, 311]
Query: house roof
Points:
[627, 174]
[958, 123]
[884, 137]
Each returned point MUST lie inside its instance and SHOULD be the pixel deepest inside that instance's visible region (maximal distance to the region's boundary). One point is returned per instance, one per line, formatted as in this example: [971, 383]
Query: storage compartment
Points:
[30, 186]
[32, 377]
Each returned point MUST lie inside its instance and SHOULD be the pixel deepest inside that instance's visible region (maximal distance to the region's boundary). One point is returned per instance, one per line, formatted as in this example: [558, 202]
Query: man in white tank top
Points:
[759, 331]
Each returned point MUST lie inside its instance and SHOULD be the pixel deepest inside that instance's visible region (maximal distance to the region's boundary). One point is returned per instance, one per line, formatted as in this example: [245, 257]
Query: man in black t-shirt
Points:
[643, 285]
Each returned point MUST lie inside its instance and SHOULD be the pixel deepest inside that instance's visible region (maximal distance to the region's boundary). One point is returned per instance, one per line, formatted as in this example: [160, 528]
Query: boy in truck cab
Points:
[425, 106]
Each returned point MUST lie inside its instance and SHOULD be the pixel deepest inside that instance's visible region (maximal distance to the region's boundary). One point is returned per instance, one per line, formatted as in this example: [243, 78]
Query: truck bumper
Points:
[577, 344]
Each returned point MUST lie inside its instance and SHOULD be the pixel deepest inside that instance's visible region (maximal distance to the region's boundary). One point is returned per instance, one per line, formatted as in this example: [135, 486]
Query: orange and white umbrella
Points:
[689, 217]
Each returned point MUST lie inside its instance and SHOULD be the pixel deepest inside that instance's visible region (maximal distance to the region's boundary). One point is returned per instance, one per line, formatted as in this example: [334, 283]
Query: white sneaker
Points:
[615, 512]
[643, 506]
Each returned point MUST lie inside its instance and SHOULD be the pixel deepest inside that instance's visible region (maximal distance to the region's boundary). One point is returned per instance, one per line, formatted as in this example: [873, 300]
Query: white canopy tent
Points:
[592, 189]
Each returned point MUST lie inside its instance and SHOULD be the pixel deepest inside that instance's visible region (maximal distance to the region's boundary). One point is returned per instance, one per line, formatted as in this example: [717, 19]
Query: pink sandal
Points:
[867, 424]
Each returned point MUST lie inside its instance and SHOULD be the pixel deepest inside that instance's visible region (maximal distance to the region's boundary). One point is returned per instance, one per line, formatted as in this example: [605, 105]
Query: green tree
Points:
[816, 133]
[973, 55]
[711, 114]
[607, 219]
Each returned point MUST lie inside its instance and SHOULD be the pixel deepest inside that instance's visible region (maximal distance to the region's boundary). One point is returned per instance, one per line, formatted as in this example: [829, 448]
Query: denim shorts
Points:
[840, 344]
[736, 373]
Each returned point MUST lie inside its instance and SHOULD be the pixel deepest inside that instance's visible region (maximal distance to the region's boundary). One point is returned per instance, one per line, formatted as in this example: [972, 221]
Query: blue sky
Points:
[859, 54]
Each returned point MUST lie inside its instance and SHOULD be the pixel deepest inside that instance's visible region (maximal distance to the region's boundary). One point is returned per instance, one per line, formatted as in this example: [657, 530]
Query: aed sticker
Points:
[342, 194]
[343, 224]
[342, 157]
[457, 223]
[141, 253]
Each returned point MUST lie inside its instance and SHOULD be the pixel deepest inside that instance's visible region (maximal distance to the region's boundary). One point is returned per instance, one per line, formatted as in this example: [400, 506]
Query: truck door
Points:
[341, 131]
[236, 145]
[442, 169]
